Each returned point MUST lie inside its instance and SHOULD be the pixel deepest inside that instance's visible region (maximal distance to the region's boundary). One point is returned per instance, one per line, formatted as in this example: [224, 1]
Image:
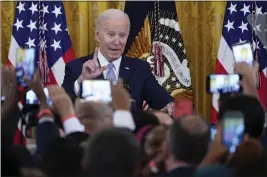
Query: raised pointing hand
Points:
[91, 69]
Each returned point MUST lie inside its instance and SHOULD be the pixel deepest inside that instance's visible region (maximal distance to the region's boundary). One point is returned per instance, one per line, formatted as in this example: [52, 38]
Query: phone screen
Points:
[233, 130]
[31, 98]
[24, 65]
[213, 131]
[223, 83]
[96, 90]
[243, 53]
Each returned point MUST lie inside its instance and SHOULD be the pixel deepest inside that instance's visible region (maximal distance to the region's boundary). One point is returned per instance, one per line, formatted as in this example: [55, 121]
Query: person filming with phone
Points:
[108, 62]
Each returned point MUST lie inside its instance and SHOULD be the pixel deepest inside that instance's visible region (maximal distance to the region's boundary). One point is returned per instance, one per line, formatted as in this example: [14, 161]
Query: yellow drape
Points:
[200, 22]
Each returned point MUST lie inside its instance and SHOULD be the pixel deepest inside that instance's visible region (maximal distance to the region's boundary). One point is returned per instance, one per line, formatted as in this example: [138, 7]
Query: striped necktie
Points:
[110, 74]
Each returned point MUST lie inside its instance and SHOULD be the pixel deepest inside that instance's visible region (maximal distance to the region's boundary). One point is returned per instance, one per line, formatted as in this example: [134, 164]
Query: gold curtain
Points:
[200, 22]
[201, 26]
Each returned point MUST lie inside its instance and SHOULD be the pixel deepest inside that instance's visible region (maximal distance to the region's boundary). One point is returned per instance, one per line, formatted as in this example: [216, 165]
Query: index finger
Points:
[95, 54]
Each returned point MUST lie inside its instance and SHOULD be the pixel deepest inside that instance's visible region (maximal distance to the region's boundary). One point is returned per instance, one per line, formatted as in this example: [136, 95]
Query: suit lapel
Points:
[125, 69]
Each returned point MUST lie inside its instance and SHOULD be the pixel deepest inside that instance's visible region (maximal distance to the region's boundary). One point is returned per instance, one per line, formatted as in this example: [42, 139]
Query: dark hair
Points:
[185, 146]
[78, 137]
[254, 114]
[10, 163]
[248, 160]
[62, 158]
[143, 118]
[113, 151]
[24, 156]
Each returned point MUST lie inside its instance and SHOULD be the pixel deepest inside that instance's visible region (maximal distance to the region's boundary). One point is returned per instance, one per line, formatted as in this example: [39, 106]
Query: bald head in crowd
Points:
[188, 140]
[94, 116]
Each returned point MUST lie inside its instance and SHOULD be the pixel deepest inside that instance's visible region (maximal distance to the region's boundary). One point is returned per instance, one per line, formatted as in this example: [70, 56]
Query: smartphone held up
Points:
[243, 53]
[31, 98]
[232, 129]
[229, 83]
[25, 65]
[223, 83]
[96, 90]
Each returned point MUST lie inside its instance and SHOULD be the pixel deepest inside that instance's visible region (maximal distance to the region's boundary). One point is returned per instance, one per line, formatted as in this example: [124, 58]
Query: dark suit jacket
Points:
[9, 126]
[181, 172]
[134, 72]
[263, 138]
[46, 133]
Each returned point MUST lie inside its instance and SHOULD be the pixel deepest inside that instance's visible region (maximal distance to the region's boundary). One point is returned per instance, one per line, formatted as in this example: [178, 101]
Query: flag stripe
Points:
[58, 70]
[12, 51]
[69, 55]
[225, 56]
[263, 89]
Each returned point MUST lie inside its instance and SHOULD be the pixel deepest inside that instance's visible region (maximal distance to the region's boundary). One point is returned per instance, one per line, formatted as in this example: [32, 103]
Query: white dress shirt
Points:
[103, 62]
[121, 118]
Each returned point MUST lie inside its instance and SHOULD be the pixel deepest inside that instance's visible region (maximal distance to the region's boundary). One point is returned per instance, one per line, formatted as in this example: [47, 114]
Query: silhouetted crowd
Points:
[94, 139]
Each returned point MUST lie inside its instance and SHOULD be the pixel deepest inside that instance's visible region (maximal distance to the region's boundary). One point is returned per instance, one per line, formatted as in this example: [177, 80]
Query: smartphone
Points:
[25, 65]
[232, 129]
[96, 90]
[223, 83]
[243, 52]
[213, 131]
[31, 98]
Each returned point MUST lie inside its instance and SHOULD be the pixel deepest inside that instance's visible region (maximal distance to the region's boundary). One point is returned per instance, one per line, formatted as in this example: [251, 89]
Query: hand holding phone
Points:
[96, 90]
[233, 129]
[31, 98]
[243, 52]
[25, 65]
[223, 83]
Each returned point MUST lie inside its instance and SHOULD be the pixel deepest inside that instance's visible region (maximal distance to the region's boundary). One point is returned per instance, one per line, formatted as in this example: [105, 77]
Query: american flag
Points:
[236, 28]
[42, 25]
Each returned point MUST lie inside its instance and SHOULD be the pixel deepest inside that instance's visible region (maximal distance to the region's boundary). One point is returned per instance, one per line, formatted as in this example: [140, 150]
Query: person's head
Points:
[187, 141]
[78, 137]
[254, 115]
[144, 118]
[94, 116]
[154, 140]
[249, 159]
[112, 31]
[112, 152]
[62, 158]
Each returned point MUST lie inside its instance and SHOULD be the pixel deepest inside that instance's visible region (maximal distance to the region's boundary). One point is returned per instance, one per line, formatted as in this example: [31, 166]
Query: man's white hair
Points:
[108, 14]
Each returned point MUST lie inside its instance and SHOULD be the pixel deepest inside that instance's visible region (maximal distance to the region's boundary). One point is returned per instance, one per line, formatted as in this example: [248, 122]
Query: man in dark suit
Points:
[186, 146]
[108, 62]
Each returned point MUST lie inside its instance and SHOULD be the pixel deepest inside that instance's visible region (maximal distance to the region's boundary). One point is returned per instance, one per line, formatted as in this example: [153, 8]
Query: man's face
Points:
[112, 37]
